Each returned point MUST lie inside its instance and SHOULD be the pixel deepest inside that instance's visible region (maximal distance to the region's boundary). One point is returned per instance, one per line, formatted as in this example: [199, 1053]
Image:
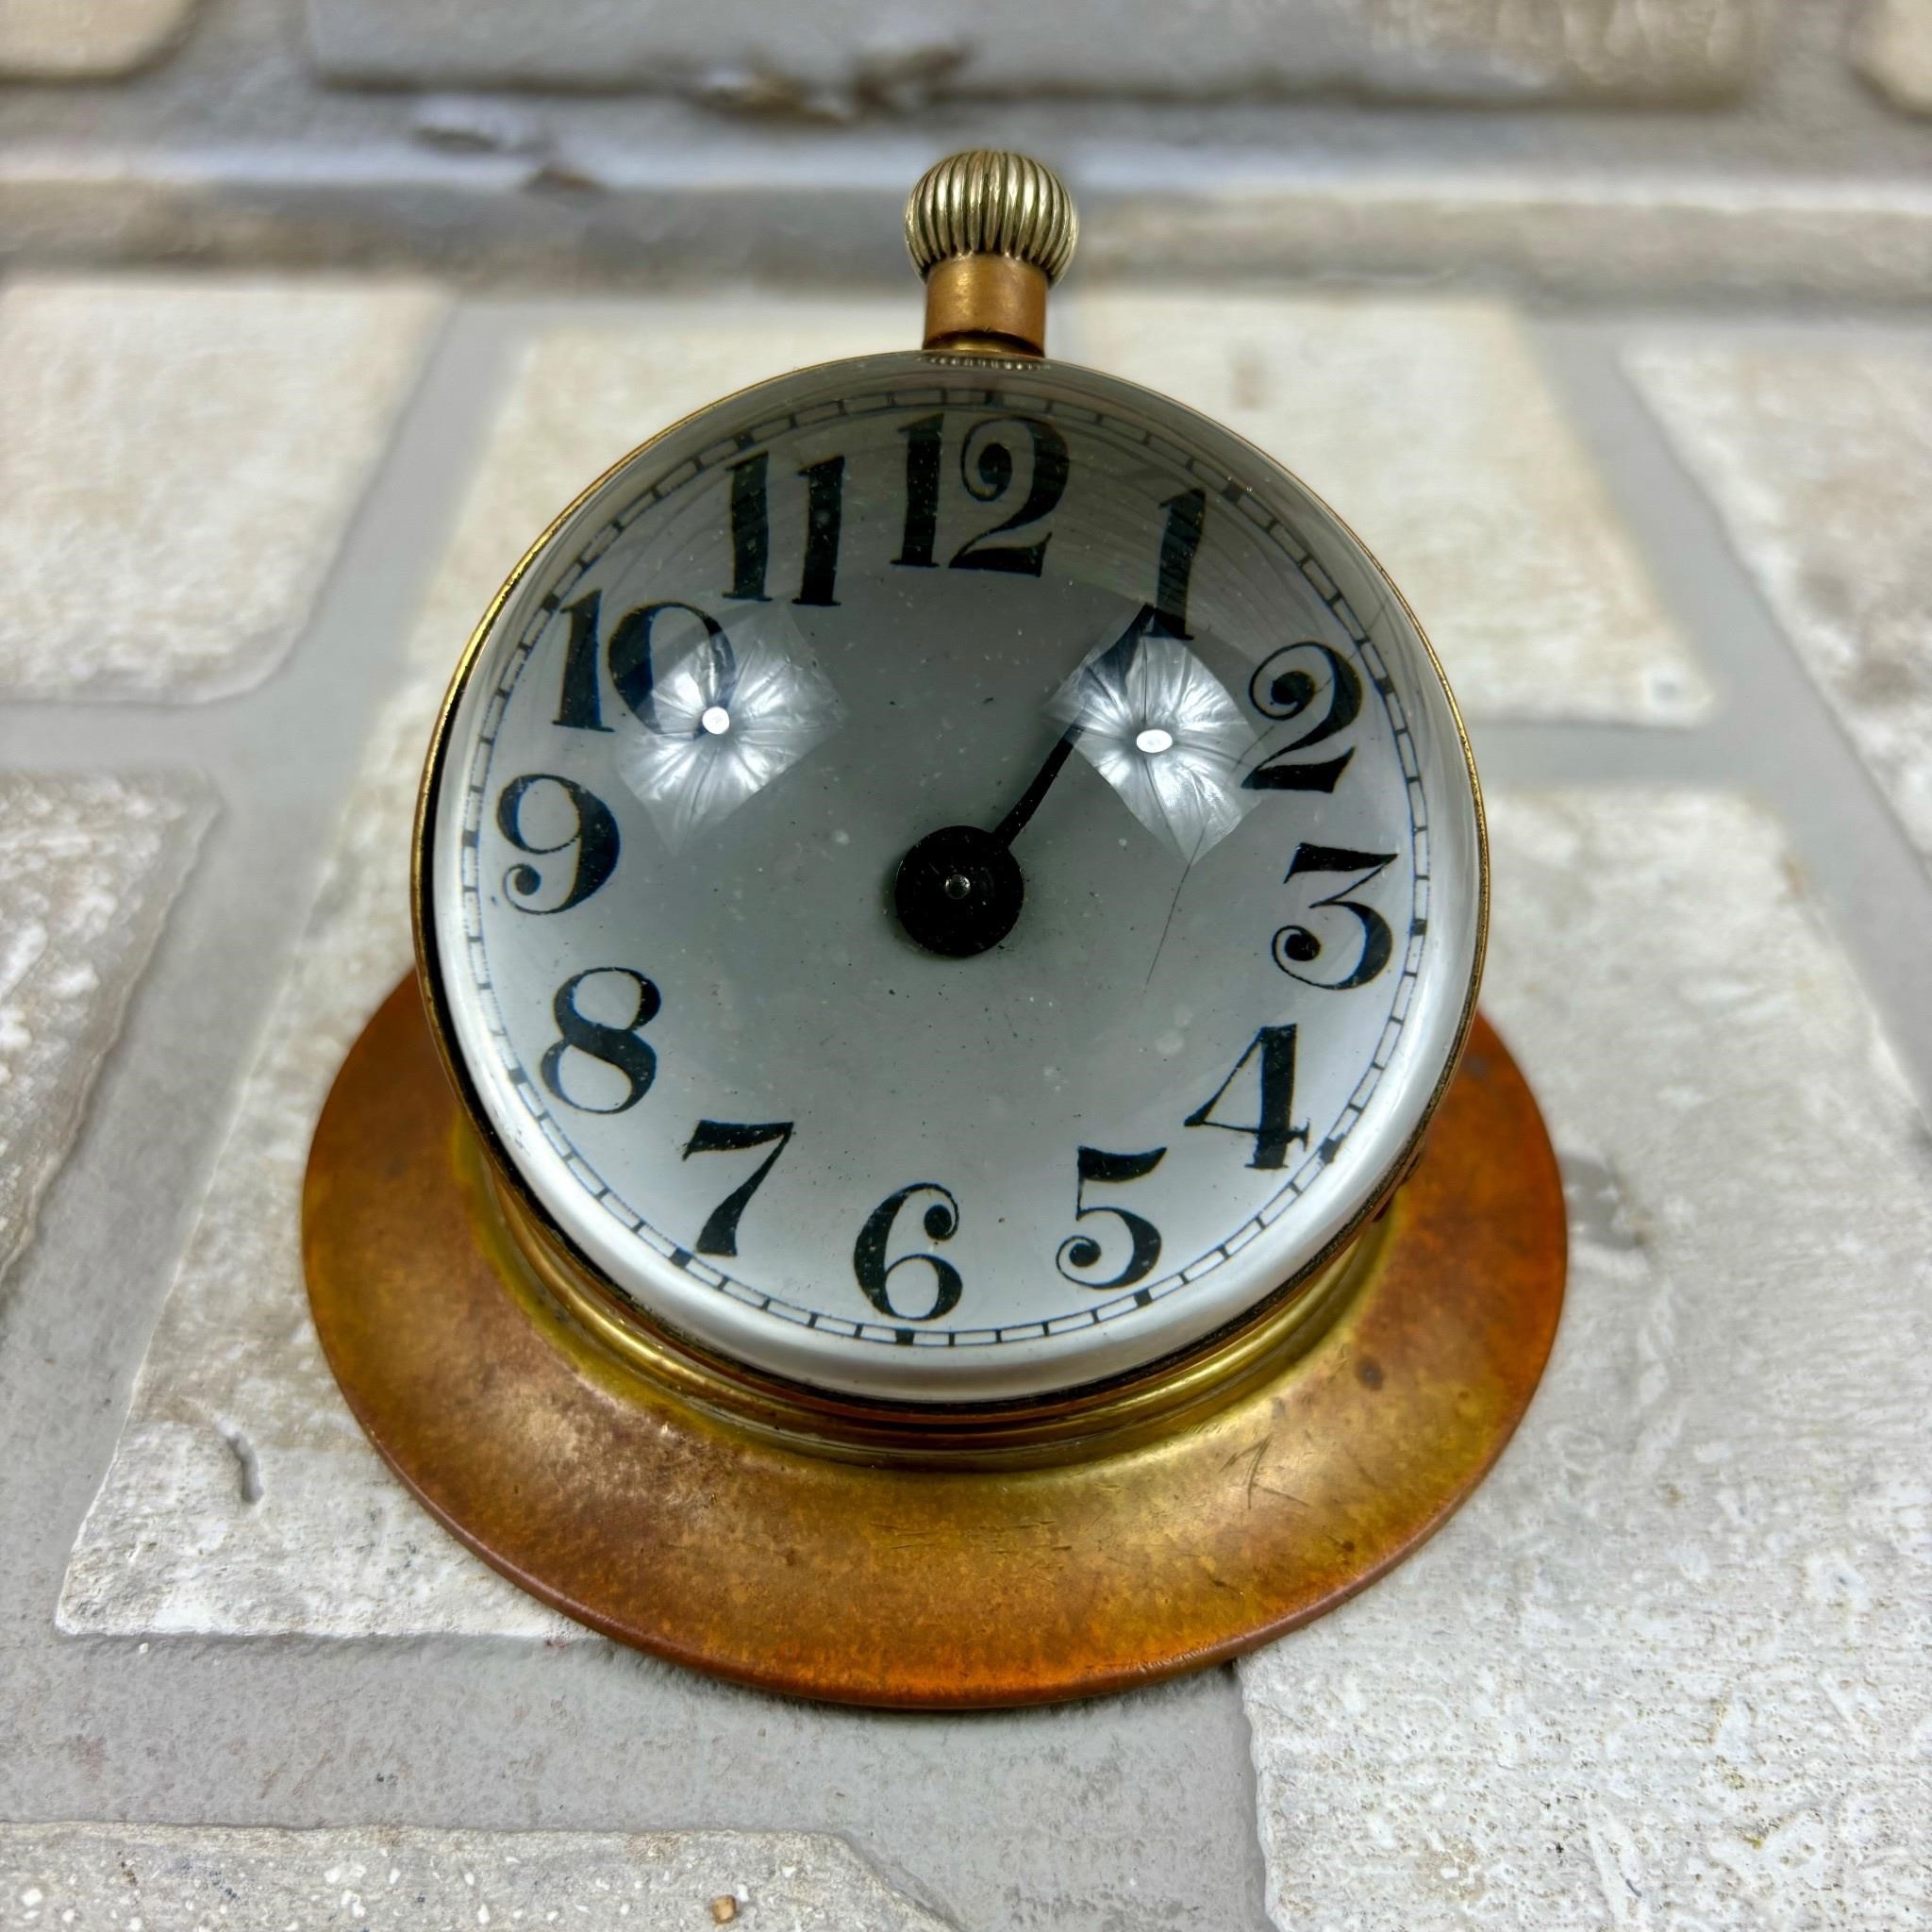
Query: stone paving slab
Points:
[839, 58]
[242, 1499]
[1667, 1667]
[87, 40]
[89, 867]
[1892, 49]
[178, 462]
[1820, 463]
[93, 1877]
[1431, 426]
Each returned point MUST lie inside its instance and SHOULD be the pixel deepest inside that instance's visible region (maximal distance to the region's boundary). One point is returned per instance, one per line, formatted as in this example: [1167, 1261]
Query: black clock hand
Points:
[1014, 822]
[959, 889]
[1117, 657]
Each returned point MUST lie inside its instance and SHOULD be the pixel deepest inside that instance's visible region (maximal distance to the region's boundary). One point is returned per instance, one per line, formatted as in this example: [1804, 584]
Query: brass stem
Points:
[981, 305]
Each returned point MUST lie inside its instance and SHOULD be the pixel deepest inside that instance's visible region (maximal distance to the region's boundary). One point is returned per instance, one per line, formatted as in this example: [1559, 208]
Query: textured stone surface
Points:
[177, 464]
[87, 40]
[1430, 426]
[1893, 48]
[839, 57]
[242, 1499]
[1667, 1667]
[1820, 463]
[130, 1875]
[89, 867]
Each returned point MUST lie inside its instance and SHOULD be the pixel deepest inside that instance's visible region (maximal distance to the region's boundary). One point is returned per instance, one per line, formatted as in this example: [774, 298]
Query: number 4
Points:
[1274, 1131]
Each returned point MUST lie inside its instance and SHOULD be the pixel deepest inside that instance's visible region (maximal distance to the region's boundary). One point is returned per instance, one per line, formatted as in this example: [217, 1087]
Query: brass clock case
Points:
[917, 1554]
[725, 1540]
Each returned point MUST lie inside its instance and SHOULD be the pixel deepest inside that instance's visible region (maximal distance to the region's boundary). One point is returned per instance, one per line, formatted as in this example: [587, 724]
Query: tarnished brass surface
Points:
[671, 1527]
[986, 305]
[1104, 1417]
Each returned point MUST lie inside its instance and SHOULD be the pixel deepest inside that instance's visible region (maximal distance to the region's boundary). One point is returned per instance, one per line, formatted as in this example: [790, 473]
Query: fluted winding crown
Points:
[987, 202]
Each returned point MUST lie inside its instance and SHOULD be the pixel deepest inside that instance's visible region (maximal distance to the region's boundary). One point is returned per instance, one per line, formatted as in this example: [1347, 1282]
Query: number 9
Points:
[592, 837]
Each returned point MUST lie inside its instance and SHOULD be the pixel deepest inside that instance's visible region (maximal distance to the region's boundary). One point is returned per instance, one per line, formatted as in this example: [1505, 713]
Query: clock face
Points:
[951, 881]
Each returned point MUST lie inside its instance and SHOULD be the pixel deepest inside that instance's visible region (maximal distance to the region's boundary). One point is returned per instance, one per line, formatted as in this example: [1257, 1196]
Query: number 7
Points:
[719, 1235]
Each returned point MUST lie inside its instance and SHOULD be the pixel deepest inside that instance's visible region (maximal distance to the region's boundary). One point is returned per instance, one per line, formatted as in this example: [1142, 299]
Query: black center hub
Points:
[958, 891]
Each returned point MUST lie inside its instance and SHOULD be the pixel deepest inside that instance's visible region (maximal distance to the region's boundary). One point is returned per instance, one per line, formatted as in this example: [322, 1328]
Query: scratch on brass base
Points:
[668, 1526]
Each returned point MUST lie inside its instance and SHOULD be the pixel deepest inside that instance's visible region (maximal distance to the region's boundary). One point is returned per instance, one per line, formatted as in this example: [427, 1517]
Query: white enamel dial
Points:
[952, 881]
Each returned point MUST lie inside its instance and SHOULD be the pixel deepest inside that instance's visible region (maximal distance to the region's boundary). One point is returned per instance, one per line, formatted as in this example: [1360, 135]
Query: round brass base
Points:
[668, 1526]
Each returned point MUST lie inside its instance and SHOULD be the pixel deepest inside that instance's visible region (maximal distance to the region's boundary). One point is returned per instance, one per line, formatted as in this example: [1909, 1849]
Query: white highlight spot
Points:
[1154, 739]
[717, 719]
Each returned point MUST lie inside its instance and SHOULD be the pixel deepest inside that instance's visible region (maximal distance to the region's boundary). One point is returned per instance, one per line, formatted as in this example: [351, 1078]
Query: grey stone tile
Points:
[130, 1875]
[89, 867]
[1892, 46]
[839, 57]
[242, 1499]
[1666, 1668]
[55, 39]
[1820, 463]
[1430, 424]
[178, 462]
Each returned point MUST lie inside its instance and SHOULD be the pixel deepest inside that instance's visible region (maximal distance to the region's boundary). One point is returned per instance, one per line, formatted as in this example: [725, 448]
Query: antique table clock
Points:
[949, 889]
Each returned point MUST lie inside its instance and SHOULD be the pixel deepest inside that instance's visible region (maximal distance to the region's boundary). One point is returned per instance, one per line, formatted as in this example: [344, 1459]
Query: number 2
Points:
[1279, 689]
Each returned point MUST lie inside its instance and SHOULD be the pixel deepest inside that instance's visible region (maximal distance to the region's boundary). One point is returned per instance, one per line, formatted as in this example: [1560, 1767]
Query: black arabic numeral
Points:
[1180, 540]
[593, 838]
[719, 1235]
[1281, 689]
[751, 530]
[922, 440]
[630, 663]
[617, 1047]
[1082, 1250]
[577, 708]
[824, 509]
[941, 1222]
[633, 669]
[1296, 945]
[993, 465]
[1273, 1130]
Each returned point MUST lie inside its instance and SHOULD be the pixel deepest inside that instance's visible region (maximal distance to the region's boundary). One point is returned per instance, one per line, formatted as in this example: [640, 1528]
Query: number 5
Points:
[1082, 1250]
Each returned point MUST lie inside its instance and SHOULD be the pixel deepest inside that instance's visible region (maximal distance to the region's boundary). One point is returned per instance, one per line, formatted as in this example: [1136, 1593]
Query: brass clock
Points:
[949, 890]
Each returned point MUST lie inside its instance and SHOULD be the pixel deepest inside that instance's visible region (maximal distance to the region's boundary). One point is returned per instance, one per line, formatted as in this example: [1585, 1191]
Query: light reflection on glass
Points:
[1156, 723]
[729, 722]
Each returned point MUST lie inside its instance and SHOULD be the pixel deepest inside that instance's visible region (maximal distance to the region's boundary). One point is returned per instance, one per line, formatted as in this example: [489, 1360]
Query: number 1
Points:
[1178, 542]
[751, 530]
